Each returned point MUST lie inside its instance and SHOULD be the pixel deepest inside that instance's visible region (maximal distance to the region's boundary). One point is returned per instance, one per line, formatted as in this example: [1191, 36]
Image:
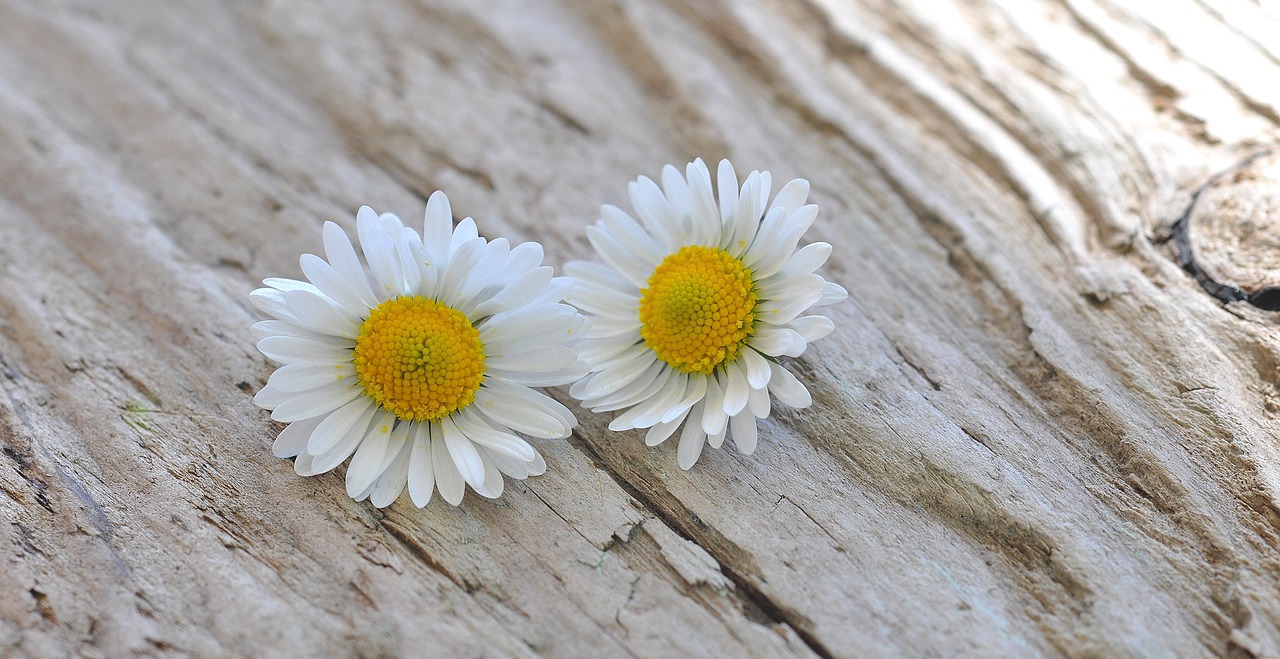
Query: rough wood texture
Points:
[1035, 432]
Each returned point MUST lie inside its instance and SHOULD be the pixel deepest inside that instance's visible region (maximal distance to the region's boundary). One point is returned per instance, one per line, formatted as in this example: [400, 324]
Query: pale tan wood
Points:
[1033, 431]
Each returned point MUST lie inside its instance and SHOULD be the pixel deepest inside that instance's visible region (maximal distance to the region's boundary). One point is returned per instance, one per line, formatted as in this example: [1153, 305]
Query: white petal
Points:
[341, 256]
[634, 392]
[705, 217]
[265, 329]
[314, 403]
[356, 414]
[523, 396]
[691, 441]
[291, 349]
[293, 439]
[714, 441]
[515, 294]
[831, 294]
[697, 391]
[727, 187]
[736, 389]
[661, 431]
[743, 429]
[788, 389]
[380, 253]
[461, 261]
[626, 231]
[366, 465]
[518, 417]
[517, 469]
[269, 397]
[600, 275]
[392, 481]
[463, 452]
[775, 256]
[655, 212]
[619, 256]
[567, 375]
[437, 230]
[302, 376]
[464, 232]
[492, 257]
[331, 283]
[812, 328]
[492, 484]
[549, 358]
[713, 416]
[777, 341]
[319, 315]
[349, 443]
[757, 368]
[650, 411]
[448, 480]
[409, 251]
[792, 196]
[803, 262]
[758, 402]
[549, 318]
[675, 188]
[523, 258]
[495, 440]
[421, 478]
[538, 466]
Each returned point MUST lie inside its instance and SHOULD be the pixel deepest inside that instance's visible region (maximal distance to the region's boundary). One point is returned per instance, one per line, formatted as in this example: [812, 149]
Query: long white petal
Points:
[691, 441]
[302, 376]
[788, 389]
[464, 454]
[392, 481]
[736, 388]
[314, 403]
[355, 414]
[421, 478]
[743, 429]
[491, 486]
[293, 439]
[341, 255]
[448, 480]
[366, 465]
[317, 314]
[291, 349]
[333, 285]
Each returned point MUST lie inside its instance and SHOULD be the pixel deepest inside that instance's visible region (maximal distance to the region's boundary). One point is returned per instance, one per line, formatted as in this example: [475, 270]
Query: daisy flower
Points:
[418, 365]
[695, 303]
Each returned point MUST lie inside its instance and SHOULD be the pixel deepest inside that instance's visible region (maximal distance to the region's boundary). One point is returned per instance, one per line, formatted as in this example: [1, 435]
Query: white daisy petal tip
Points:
[708, 286]
[382, 368]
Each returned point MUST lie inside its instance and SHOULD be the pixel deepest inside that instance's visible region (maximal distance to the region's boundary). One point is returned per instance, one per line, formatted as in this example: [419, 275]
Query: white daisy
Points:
[695, 303]
[421, 364]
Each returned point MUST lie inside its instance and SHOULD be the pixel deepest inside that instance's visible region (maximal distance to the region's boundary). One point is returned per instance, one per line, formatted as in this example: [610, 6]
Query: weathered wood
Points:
[1034, 432]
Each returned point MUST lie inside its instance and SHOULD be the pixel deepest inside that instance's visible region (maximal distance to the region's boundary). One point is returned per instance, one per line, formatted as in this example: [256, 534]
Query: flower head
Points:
[419, 364]
[695, 303]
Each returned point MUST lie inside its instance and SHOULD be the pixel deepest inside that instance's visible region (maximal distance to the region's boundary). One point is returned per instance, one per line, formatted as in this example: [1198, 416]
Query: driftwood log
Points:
[1048, 421]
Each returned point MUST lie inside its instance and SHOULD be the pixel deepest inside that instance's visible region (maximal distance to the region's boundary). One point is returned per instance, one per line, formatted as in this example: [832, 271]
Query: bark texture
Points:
[1046, 424]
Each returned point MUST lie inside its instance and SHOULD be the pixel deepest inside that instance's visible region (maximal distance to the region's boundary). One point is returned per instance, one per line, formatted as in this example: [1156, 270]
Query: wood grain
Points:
[1034, 432]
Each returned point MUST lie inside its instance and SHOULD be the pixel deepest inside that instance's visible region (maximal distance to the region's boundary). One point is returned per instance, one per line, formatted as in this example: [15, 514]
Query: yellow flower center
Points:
[699, 309]
[419, 359]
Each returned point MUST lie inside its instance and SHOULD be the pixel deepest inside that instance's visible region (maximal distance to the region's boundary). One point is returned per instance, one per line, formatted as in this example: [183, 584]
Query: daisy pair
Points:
[419, 364]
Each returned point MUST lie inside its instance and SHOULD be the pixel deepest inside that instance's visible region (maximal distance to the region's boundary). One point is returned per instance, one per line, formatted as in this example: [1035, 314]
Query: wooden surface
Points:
[1034, 431]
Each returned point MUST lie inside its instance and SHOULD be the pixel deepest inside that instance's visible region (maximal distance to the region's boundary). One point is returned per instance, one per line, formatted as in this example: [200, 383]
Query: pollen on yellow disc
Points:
[698, 309]
[419, 359]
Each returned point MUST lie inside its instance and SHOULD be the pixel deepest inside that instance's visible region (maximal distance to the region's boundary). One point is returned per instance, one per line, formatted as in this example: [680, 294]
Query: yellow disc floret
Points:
[699, 309]
[419, 359]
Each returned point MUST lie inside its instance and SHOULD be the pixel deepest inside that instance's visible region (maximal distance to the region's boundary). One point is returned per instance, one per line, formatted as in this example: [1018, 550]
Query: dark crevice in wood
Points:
[689, 526]
[1180, 235]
